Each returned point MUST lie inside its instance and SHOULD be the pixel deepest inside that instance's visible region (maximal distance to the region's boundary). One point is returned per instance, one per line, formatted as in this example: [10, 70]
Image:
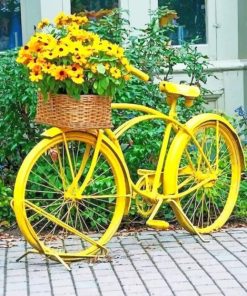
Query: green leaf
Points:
[104, 82]
[101, 68]
[95, 85]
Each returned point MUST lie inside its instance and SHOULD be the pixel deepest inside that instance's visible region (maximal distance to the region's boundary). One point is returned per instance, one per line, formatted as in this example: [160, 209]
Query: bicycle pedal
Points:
[158, 224]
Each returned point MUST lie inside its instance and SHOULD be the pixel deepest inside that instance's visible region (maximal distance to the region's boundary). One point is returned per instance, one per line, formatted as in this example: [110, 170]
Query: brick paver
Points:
[145, 263]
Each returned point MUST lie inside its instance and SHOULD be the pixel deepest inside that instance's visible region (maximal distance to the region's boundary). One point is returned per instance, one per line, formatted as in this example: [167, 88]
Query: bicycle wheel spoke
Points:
[206, 206]
[52, 186]
[59, 222]
[51, 180]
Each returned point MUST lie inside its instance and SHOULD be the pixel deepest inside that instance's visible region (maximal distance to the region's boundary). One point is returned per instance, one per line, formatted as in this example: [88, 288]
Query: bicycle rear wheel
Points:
[52, 215]
[208, 206]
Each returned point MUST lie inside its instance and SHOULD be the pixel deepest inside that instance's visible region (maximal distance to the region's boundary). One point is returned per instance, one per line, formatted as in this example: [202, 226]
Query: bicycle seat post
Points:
[172, 102]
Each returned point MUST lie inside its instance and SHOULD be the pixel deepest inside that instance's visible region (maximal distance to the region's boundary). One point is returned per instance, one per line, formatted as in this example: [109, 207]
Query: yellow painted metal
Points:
[52, 132]
[73, 190]
[68, 155]
[170, 185]
[60, 223]
[112, 142]
[184, 90]
[93, 164]
[144, 206]
[206, 181]
[158, 224]
[20, 202]
[143, 76]
[167, 171]
[162, 156]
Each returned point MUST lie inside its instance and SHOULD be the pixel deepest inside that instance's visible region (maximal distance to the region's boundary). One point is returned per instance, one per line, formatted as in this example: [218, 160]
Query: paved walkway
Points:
[146, 263]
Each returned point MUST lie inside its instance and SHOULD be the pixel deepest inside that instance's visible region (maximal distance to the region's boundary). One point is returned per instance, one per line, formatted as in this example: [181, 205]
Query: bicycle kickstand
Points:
[157, 224]
[189, 222]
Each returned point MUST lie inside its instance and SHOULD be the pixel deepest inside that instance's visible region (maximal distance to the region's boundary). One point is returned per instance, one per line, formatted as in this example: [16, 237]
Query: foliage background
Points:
[147, 49]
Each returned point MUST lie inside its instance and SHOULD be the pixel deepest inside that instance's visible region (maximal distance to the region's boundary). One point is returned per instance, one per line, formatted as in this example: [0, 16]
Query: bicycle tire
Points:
[40, 185]
[210, 206]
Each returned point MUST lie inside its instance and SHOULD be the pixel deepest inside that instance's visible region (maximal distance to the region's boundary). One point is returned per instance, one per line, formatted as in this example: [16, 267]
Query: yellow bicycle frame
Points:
[164, 168]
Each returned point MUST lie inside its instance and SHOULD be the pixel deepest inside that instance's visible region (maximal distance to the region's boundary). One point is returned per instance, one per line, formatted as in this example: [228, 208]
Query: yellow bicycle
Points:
[74, 187]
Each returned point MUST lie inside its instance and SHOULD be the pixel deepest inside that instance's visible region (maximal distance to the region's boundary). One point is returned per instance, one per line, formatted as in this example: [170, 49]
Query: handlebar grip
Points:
[143, 76]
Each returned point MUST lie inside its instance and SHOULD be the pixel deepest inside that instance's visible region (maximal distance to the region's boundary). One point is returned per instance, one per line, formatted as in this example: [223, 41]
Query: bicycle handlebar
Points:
[143, 76]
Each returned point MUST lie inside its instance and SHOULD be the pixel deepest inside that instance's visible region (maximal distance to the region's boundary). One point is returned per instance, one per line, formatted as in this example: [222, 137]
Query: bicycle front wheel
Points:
[218, 160]
[52, 212]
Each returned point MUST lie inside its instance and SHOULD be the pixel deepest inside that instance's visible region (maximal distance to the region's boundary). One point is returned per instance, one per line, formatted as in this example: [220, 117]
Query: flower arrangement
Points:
[66, 58]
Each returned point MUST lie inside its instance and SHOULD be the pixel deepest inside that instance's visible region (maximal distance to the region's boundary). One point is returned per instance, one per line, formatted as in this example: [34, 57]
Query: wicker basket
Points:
[90, 112]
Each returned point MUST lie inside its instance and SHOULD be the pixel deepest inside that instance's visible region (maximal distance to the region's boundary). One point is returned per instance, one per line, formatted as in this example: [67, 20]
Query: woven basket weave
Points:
[91, 111]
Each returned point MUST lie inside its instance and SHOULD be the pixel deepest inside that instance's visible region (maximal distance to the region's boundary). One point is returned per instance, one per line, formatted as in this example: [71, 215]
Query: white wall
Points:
[30, 16]
[138, 11]
[32, 11]
[49, 9]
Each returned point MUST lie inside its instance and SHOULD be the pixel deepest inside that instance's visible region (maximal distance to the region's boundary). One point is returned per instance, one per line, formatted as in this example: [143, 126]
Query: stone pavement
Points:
[145, 263]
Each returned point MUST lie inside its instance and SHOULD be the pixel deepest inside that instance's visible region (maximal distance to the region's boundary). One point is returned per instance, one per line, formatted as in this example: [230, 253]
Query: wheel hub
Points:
[212, 177]
[73, 194]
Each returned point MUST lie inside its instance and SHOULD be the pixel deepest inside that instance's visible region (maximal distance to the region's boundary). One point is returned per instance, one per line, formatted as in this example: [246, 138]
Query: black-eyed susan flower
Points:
[65, 52]
[50, 54]
[59, 73]
[78, 79]
[42, 24]
[61, 50]
[115, 72]
[47, 67]
[35, 76]
[61, 19]
[94, 68]
[79, 59]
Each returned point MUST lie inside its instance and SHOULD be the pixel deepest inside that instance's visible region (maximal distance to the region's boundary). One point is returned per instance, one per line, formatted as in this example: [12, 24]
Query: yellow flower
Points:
[47, 68]
[35, 76]
[107, 66]
[61, 19]
[50, 54]
[115, 72]
[81, 60]
[82, 20]
[41, 37]
[61, 50]
[111, 49]
[34, 66]
[59, 73]
[87, 51]
[126, 77]
[78, 79]
[79, 20]
[43, 24]
[119, 51]
[94, 68]
[76, 47]
[24, 56]
[75, 70]
[65, 52]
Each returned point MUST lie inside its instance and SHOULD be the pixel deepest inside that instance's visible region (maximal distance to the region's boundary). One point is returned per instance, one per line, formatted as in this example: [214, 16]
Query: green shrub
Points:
[6, 214]
[18, 133]
[148, 50]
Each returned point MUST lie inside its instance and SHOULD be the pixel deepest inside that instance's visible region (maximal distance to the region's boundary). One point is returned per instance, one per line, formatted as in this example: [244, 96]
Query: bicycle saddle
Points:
[184, 90]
